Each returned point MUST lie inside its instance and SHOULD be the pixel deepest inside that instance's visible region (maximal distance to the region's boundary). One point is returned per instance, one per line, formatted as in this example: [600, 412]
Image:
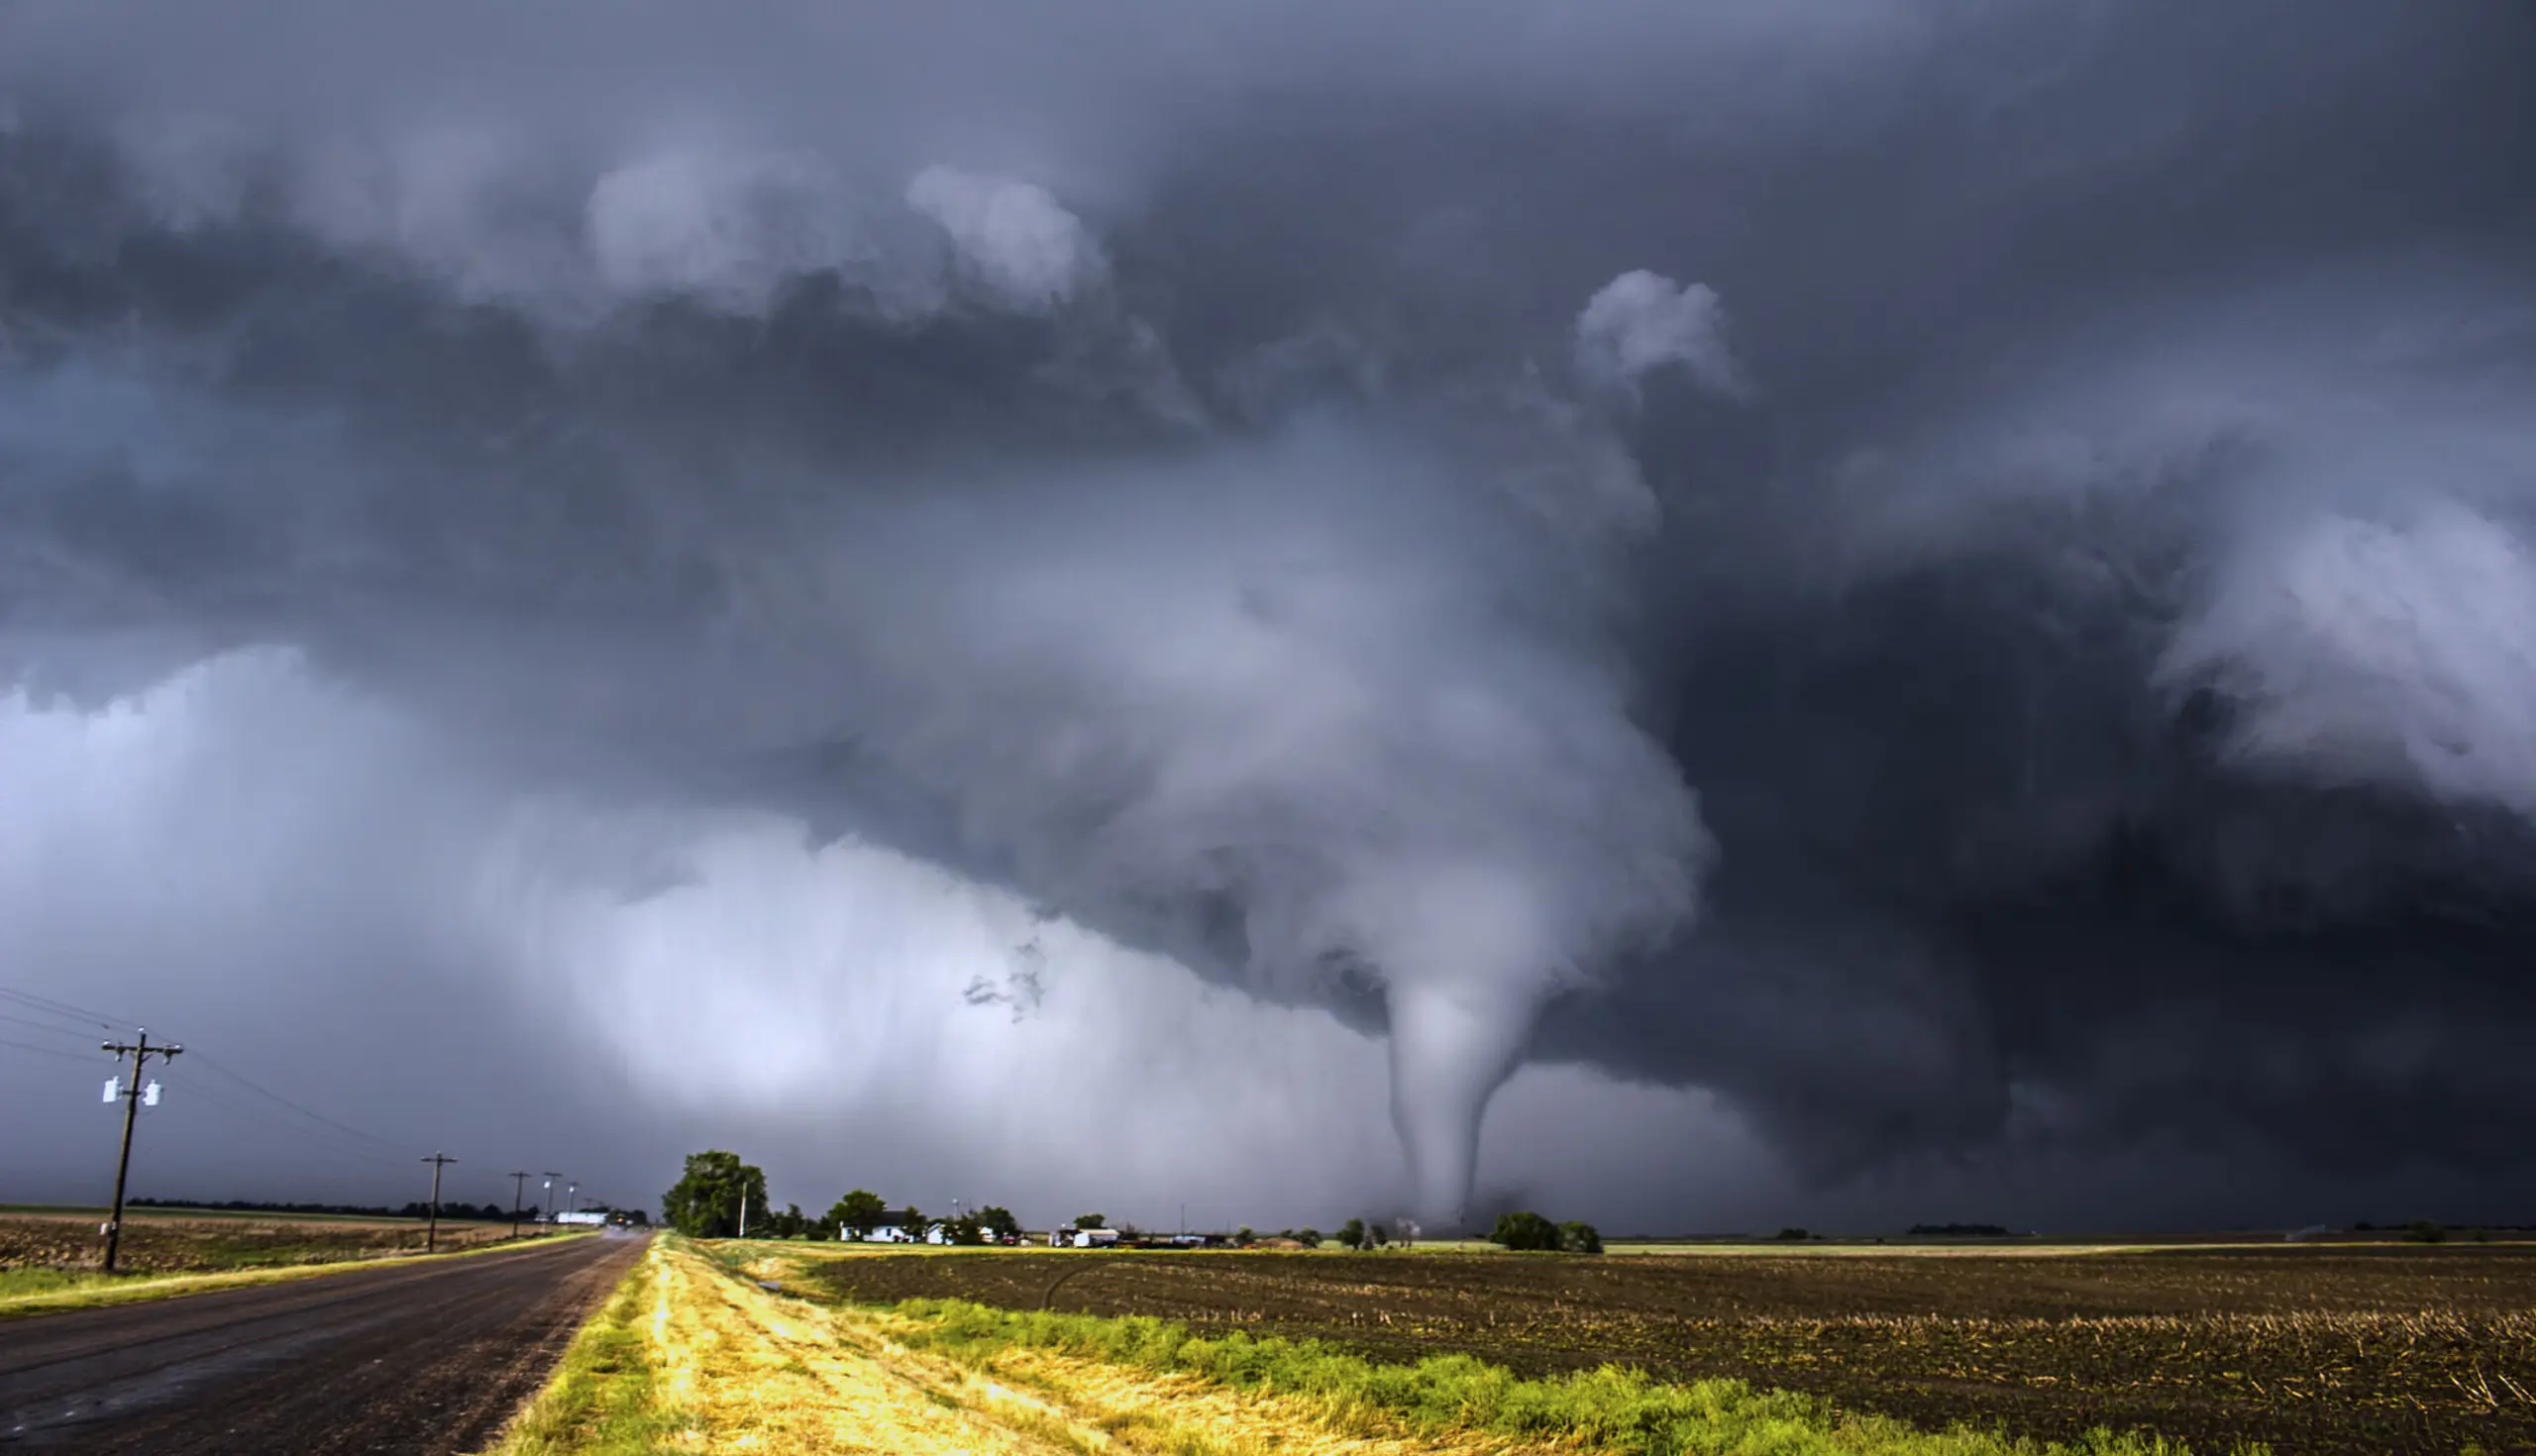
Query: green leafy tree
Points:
[1091, 1220]
[1376, 1235]
[860, 1210]
[706, 1201]
[999, 1222]
[1524, 1230]
[1310, 1238]
[1244, 1237]
[1580, 1238]
[910, 1221]
[1352, 1234]
[968, 1229]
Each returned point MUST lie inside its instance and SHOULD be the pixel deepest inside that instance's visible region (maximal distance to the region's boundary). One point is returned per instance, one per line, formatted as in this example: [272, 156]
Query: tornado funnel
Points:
[1451, 1047]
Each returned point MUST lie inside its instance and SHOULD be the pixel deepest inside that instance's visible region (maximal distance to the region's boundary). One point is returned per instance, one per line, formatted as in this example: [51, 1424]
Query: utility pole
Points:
[141, 1051]
[550, 1176]
[519, 1181]
[431, 1233]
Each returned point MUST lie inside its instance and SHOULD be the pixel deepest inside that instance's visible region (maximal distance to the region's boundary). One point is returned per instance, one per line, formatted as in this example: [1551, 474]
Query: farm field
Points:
[58, 1250]
[2352, 1349]
[730, 1345]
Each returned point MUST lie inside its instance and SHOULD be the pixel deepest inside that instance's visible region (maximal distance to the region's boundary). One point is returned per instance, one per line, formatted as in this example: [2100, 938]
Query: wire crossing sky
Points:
[1718, 615]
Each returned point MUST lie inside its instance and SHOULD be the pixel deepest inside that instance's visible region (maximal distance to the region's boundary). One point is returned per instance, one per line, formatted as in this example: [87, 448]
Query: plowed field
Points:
[2312, 1349]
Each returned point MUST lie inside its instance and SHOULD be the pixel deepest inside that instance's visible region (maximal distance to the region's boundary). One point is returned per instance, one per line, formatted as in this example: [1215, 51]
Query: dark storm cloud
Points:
[1955, 573]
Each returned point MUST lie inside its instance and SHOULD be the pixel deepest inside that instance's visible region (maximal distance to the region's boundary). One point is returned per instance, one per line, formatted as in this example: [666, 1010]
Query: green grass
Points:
[604, 1398]
[1608, 1410]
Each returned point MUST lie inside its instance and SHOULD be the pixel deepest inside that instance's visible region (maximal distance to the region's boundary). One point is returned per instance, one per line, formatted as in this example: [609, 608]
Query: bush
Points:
[2423, 1231]
[1579, 1238]
[1310, 1238]
[1524, 1230]
[1793, 1235]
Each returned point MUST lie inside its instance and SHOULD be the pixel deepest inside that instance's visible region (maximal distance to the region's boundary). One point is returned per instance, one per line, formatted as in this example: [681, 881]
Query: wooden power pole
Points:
[141, 1051]
[519, 1185]
[431, 1232]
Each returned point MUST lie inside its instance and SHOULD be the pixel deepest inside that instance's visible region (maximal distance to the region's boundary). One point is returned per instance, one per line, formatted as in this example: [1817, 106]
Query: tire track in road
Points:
[421, 1359]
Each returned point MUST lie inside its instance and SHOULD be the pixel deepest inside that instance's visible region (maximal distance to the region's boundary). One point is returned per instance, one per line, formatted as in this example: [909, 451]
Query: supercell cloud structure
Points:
[1953, 588]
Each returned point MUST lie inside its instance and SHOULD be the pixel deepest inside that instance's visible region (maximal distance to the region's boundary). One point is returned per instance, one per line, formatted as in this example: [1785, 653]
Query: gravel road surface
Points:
[425, 1358]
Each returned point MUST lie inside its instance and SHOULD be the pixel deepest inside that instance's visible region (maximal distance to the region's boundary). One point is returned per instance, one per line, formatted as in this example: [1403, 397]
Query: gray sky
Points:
[1847, 614]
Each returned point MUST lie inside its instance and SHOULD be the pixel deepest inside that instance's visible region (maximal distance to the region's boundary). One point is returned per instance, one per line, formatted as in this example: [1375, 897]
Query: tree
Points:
[1580, 1238]
[1091, 1220]
[1352, 1234]
[1524, 1230]
[860, 1210]
[1244, 1237]
[910, 1221]
[1310, 1238]
[706, 1201]
[1377, 1235]
[966, 1229]
[998, 1222]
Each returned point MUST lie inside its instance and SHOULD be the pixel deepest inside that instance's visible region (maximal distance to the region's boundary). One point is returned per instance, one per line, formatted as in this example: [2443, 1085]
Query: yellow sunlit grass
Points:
[689, 1357]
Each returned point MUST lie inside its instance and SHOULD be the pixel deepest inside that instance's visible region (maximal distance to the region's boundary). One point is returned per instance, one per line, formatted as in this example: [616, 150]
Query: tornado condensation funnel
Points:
[1451, 1047]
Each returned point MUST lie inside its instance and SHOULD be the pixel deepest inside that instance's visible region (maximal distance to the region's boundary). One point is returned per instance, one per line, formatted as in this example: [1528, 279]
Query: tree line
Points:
[711, 1195]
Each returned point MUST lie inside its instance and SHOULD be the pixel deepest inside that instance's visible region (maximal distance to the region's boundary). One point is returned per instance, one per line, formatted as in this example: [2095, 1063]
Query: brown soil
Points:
[160, 1245]
[2380, 1350]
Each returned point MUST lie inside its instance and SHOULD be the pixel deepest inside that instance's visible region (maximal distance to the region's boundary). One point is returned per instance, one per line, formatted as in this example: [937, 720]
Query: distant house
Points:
[591, 1216]
[884, 1233]
[1095, 1239]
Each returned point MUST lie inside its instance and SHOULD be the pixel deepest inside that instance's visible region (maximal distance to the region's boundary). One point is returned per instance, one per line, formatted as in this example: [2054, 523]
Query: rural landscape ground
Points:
[46, 1254]
[431, 1355]
[795, 1346]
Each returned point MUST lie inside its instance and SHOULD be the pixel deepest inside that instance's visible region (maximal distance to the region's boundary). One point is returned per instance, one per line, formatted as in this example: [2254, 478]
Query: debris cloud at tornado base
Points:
[1968, 623]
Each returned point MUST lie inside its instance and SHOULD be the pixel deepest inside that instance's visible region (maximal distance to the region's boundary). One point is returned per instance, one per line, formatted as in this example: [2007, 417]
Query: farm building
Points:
[886, 1233]
[1094, 1238]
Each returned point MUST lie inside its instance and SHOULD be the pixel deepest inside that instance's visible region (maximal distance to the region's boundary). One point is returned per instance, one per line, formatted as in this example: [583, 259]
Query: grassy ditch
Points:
[606, 1397]
[1451, 1397]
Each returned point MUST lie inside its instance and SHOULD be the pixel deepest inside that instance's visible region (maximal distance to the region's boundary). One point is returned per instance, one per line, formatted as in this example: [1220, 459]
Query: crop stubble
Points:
[162, 1244]
[2376, 1350]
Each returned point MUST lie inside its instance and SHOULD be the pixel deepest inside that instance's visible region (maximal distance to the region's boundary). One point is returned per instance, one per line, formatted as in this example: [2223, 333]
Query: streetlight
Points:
[551, 1174]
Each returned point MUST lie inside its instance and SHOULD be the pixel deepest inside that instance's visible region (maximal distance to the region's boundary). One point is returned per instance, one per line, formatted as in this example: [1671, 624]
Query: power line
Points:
[53, 1027]
[315, 1139]
[62, 1008]
[141, 1051]
[431, 1232]
[27, 1046]
[385, 1144]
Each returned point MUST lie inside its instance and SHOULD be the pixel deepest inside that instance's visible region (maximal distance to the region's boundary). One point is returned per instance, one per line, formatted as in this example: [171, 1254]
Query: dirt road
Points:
[425, 1358]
